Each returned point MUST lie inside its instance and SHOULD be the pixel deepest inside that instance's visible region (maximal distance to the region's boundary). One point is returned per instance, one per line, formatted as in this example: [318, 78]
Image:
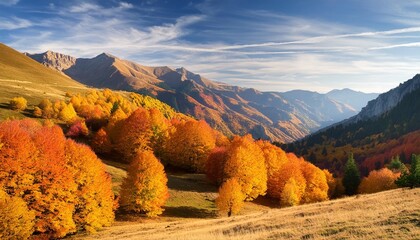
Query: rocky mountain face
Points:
[386, 101]
[275, 116]
[54, 60]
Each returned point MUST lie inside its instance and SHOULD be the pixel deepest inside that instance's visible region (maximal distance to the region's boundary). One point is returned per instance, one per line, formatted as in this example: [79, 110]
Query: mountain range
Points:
[275, 116]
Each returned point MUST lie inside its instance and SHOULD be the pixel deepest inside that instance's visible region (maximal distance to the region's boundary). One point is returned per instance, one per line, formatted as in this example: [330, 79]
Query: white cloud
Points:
[14, 23]
[85, 7]
[8, 2]
[126, 5]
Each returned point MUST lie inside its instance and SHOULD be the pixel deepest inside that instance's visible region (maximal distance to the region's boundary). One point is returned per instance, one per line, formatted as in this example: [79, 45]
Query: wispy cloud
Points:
[14, 23]
[259, 48]
[8, 2]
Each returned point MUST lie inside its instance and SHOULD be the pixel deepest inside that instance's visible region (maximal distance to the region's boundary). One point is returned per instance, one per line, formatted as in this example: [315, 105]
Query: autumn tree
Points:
[18, 103]
[293, 191]
[94, 199]
[189, 145]
[231, 198]
[288, 170]
[100, 142]
[275, 159]
[67, 113]
[35, 166]
[135, 134]
[378, 180]
[245, 162]
[351, 179]
[32, 167]
[144, 190]
[316, 183]
[332, 184]
[16, 220]
[215, 164]
[77, 129]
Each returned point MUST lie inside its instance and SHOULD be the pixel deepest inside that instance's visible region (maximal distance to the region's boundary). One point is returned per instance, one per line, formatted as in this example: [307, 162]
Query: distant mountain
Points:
[388, 126]
[22, 76]
[274, 116]
[320, 107]
[355, 99]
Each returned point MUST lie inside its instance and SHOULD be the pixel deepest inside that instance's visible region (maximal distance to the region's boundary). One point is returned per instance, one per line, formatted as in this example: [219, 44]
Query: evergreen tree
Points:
[412, 178]
[351, 179]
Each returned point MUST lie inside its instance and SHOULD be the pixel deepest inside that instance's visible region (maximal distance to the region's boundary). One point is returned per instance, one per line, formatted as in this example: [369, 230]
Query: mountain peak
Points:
[106, 55]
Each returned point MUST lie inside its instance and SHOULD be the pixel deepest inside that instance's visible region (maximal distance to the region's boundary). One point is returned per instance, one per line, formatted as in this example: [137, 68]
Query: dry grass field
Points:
[191, 214]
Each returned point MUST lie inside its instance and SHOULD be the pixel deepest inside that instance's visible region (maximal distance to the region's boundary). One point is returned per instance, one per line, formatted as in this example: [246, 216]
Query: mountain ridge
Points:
[234, 110]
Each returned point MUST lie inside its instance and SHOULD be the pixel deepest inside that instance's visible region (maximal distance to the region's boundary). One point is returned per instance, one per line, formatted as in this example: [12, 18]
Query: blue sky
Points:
[271, 45]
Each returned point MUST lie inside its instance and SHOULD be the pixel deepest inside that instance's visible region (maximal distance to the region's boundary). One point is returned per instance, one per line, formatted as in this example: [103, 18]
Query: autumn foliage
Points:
[35, 165]
[18, 103]
[144, 190]
[189, 145]
[231, 198]
[16, 221]
[378, 180]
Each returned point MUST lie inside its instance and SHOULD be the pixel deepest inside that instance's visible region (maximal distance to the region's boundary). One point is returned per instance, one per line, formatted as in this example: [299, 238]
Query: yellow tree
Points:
[94, 199]
[275, 159]
[230, 199]
[190, 145]
[144, 190]
[67, 113]
[16, 220]
[293, 191]
[245, 162]
[316, 183]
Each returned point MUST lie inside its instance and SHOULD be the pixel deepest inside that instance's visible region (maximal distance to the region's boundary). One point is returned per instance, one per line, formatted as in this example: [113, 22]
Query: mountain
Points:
[355, 99]
[22, 76]
[282, 117]
[388, 126]
[320, 107]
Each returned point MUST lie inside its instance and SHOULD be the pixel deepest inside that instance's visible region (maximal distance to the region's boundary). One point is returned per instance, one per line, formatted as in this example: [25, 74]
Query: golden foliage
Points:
[230, 199]
[94, 197]
[18, 103]
[275, 159]
[67, 113]
[16, 220]
[293, 191]
[189, 145]
[100, 142]
[378, 180]
[144, 190]
[245, 162]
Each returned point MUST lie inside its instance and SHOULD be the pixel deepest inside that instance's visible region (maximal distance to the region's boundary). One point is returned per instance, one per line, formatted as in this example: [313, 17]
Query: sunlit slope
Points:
[23, 76]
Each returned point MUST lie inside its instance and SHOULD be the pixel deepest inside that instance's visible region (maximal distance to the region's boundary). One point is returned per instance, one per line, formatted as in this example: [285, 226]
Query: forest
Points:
[53, 182]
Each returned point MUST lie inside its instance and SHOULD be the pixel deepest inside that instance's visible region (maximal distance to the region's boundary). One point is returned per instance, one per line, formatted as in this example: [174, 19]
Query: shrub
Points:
[18, 103]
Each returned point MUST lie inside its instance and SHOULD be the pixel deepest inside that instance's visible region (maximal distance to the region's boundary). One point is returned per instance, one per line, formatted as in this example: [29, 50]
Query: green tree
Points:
[351, 179]
[411, 179]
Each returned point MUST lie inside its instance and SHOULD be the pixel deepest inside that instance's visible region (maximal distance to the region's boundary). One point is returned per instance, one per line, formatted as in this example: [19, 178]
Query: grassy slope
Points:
[22, 76]
[392, 214]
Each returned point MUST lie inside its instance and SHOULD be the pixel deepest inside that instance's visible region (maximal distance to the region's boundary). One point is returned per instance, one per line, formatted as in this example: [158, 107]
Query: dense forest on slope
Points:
[394, 130]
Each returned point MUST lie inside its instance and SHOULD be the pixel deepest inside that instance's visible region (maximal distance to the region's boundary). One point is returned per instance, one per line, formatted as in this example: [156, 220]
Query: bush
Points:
[18, 103]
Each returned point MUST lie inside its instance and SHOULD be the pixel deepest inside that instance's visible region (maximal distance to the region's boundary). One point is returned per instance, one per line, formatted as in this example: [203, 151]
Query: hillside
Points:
[233, 110]
[387, 215]
[388, 126]
[22, 76]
